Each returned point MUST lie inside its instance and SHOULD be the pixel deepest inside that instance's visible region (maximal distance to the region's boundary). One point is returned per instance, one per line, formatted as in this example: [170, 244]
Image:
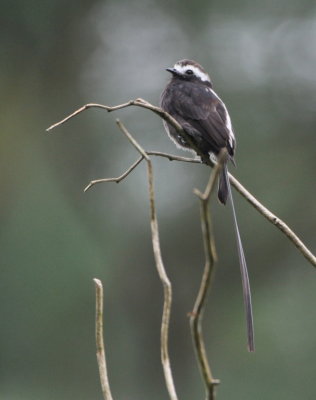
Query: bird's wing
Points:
[207, 114]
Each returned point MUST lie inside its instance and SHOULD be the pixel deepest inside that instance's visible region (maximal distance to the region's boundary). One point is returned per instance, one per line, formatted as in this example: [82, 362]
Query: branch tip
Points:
[101, 359]
[97, 282]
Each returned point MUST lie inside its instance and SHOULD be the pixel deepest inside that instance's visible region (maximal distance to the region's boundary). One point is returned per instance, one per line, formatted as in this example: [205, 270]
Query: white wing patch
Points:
[231, 138]
[197, 72]
[228, 123]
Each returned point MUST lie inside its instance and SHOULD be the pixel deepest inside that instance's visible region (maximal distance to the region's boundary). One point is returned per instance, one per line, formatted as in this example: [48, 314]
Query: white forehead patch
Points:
[197, 72]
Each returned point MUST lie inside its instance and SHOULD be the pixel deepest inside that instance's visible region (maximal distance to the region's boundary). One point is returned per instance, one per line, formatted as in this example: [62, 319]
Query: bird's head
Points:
[190, 71]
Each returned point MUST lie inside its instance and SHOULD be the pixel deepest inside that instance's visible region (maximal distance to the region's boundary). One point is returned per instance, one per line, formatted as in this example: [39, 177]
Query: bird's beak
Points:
[173, 71]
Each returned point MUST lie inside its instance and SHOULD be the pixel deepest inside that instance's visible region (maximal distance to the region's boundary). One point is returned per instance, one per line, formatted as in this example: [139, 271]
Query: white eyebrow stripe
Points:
[197, 72]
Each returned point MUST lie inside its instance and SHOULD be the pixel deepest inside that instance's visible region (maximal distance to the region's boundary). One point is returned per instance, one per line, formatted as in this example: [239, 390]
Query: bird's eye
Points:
[189, 72]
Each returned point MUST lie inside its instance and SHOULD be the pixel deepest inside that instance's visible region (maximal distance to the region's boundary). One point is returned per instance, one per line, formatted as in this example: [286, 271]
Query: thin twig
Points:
[106, 391]
[86, 107]
[276, 221]
[144, 104]
[138, 102]
[165, 359]
[196, 316]
[172, 157]
[118, 179]
[281, 225]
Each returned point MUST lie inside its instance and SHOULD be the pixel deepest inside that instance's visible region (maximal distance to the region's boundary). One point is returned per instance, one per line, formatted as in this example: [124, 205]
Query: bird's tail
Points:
[223, 183]
[225, 189]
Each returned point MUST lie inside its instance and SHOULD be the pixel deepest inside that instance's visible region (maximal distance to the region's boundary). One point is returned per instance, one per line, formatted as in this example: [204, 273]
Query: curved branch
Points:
[167, 289]
[138, 102]
[196, 316]
[118, 179]
[281, 225]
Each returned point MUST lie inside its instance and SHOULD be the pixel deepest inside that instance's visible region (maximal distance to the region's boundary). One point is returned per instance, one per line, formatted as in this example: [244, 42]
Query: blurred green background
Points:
[54, 239]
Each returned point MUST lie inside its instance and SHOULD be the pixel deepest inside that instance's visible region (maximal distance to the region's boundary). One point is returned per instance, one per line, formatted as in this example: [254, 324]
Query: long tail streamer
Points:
[244, 276]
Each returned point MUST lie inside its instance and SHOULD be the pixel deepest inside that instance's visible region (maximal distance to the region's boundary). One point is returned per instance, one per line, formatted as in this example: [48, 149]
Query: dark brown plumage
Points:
[189, 97]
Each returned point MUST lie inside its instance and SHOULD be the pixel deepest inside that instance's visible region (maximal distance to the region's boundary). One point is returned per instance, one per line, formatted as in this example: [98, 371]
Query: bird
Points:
[189, 97]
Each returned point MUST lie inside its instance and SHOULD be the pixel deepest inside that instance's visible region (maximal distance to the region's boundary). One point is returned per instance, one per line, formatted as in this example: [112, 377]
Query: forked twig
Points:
[196, 316]
[281, 225]
[106, 391]
[209, 249]
[118, 179]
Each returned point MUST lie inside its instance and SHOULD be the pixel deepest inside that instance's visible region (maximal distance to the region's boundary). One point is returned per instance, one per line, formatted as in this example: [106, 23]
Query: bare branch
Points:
[248, 196]
[118, 179]
[196, 316]
[137, 102]
[165, 359]
[86, 107]
[172, 157]
[106, 391]
[132, 140]
[144, 104]
[209, 248]
[281, 225]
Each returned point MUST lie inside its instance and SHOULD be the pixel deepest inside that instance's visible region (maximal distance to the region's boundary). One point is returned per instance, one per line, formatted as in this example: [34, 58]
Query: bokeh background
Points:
[57, 56]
